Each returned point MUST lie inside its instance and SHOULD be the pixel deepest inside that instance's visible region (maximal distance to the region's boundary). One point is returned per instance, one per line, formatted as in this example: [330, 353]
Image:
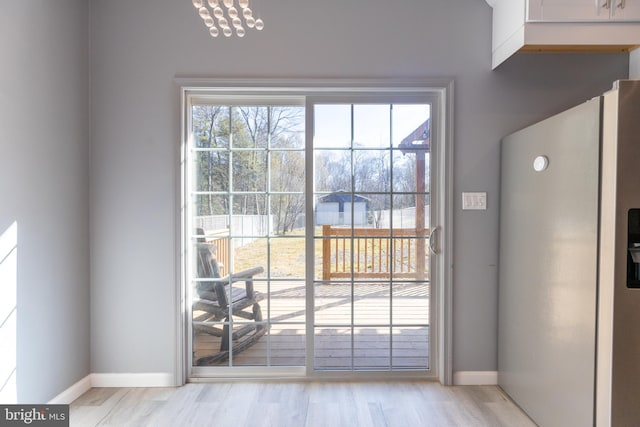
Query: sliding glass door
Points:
[306, 229]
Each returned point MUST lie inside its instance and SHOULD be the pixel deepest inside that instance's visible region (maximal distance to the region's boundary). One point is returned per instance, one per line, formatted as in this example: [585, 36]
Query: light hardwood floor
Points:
[299, 404]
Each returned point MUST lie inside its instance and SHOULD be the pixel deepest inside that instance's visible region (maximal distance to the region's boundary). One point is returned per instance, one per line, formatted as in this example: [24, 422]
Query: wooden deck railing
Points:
[373, 253]
[221, 240]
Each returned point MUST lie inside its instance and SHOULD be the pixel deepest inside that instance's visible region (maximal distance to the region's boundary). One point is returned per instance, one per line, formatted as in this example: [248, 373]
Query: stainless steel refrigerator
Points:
[569, 290]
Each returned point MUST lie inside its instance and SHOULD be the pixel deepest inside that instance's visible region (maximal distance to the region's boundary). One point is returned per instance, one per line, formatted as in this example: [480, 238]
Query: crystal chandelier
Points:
[223, 17]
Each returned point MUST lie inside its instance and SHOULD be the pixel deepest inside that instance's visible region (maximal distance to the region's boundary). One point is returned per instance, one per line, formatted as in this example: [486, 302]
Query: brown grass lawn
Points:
[287, 255]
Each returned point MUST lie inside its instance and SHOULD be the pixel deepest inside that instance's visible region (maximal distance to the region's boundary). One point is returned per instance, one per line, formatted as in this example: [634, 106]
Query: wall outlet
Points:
[474, 201]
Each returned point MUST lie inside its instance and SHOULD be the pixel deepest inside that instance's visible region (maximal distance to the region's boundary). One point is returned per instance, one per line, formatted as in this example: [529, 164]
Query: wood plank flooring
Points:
[299, 404]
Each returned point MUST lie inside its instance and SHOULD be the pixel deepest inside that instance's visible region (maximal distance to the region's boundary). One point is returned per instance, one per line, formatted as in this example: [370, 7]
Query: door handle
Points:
[606, 4]
[432, 247]
[622, 4]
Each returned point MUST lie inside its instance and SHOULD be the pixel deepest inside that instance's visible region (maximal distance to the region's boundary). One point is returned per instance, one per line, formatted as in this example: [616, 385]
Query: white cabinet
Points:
[564, 26]
[583, 10]
[626, 10]
[566, 10]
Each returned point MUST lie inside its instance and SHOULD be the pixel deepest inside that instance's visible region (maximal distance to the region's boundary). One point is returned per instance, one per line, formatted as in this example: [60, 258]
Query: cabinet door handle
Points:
[622, 4]
[606, 4]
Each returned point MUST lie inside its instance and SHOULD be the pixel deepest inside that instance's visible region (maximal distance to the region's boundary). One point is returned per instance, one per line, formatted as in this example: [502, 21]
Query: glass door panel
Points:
[245, 221]
[371, 215]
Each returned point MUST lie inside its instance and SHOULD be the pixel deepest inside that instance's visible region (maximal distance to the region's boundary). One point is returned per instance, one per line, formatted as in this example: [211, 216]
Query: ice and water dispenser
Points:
[633, 255]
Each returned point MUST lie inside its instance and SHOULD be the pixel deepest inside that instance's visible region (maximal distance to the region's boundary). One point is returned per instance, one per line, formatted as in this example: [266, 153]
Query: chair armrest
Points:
[244, 275]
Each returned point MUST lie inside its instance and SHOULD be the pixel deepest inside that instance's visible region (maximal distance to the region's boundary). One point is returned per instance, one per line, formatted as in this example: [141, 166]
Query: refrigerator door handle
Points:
[432, 247]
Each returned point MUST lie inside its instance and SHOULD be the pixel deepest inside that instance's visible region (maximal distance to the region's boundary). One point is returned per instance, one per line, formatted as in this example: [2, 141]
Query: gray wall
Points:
[44, 187]
[634, 64]
[139, 46]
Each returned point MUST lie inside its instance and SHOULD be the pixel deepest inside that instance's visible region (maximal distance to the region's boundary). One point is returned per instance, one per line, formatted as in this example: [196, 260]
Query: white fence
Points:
[402, 218]
[243, 229]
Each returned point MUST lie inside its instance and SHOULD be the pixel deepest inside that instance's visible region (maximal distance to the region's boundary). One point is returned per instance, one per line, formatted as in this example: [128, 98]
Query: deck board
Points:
[372, 344]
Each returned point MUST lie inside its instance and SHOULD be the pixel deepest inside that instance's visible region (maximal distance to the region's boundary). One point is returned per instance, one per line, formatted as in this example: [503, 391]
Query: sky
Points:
[371, 124]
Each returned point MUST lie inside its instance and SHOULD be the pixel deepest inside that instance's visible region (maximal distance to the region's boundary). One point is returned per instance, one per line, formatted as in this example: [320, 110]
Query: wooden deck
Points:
[372, 344]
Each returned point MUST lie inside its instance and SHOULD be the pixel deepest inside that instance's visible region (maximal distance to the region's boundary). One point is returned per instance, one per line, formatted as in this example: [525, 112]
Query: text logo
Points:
[34, 415]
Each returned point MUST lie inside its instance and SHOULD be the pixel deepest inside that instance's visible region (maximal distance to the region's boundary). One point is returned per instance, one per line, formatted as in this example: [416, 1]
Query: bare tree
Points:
[211, 164]
[264, 127]
[287, 178]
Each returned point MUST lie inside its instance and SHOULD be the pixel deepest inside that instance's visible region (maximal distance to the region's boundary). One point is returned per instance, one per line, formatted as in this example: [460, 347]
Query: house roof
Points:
[342, 197]
[419, 139]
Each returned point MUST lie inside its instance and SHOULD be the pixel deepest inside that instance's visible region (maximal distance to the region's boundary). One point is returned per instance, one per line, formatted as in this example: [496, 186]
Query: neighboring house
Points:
[335, 209]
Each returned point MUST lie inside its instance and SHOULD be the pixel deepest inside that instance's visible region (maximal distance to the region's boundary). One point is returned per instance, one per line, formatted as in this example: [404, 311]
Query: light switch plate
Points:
[474, 201]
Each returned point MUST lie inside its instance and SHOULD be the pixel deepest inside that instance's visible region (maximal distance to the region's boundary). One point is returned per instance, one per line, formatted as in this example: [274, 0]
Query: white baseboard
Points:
[475, 378]
[133, 380]
[167, 380]
[112, 380]
[73, 392]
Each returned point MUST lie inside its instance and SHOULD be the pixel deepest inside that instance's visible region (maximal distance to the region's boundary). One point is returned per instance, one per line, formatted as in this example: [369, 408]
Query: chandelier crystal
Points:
[222, 16]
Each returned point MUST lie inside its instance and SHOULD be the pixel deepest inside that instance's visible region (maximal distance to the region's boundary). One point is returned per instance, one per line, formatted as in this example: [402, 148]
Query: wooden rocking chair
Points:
[219, 300]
